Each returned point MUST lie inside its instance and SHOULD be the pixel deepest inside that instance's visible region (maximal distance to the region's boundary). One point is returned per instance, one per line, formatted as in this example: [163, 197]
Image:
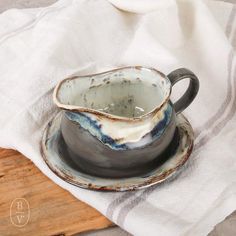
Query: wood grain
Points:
[53, 211]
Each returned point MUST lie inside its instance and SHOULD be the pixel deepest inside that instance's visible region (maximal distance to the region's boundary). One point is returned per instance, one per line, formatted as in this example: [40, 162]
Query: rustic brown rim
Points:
[73, 108]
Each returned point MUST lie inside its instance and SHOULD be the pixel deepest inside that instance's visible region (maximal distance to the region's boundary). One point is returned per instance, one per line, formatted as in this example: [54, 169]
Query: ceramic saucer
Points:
[57, 157]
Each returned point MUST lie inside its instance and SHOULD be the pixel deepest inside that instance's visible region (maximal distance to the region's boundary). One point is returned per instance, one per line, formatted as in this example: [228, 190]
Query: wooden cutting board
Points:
[50, 209]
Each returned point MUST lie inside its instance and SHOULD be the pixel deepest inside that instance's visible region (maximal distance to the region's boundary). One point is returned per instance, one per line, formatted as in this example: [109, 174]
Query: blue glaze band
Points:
[93, 127]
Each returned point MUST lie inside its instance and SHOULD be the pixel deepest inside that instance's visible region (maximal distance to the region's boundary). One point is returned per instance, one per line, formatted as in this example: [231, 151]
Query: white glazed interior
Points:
[126, 92]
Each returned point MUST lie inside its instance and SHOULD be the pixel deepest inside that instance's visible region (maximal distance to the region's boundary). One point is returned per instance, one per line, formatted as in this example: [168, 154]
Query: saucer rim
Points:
[155, 179]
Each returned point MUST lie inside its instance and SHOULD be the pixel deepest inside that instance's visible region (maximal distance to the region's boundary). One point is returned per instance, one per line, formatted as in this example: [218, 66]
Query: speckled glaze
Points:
[117, 122]
[58, 157]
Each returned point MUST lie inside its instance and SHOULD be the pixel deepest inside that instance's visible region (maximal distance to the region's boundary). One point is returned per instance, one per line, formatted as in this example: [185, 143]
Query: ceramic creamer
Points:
[117, 122]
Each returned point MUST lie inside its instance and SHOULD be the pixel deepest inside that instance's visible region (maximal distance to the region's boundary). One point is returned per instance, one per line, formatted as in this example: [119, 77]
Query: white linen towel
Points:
[40, 47]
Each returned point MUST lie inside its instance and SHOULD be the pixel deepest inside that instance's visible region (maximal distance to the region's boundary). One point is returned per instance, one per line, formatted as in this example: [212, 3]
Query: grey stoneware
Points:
[58, 157]
[116, 123]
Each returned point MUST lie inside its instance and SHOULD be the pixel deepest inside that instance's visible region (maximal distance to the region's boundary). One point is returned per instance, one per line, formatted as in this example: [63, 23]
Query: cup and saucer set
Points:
[118, 130]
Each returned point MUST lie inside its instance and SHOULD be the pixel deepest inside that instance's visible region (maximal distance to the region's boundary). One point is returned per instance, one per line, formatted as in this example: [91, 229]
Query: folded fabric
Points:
[40, 47]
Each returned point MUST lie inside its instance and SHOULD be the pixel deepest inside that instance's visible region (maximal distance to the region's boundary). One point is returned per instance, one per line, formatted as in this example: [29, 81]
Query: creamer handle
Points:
[191, 91]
